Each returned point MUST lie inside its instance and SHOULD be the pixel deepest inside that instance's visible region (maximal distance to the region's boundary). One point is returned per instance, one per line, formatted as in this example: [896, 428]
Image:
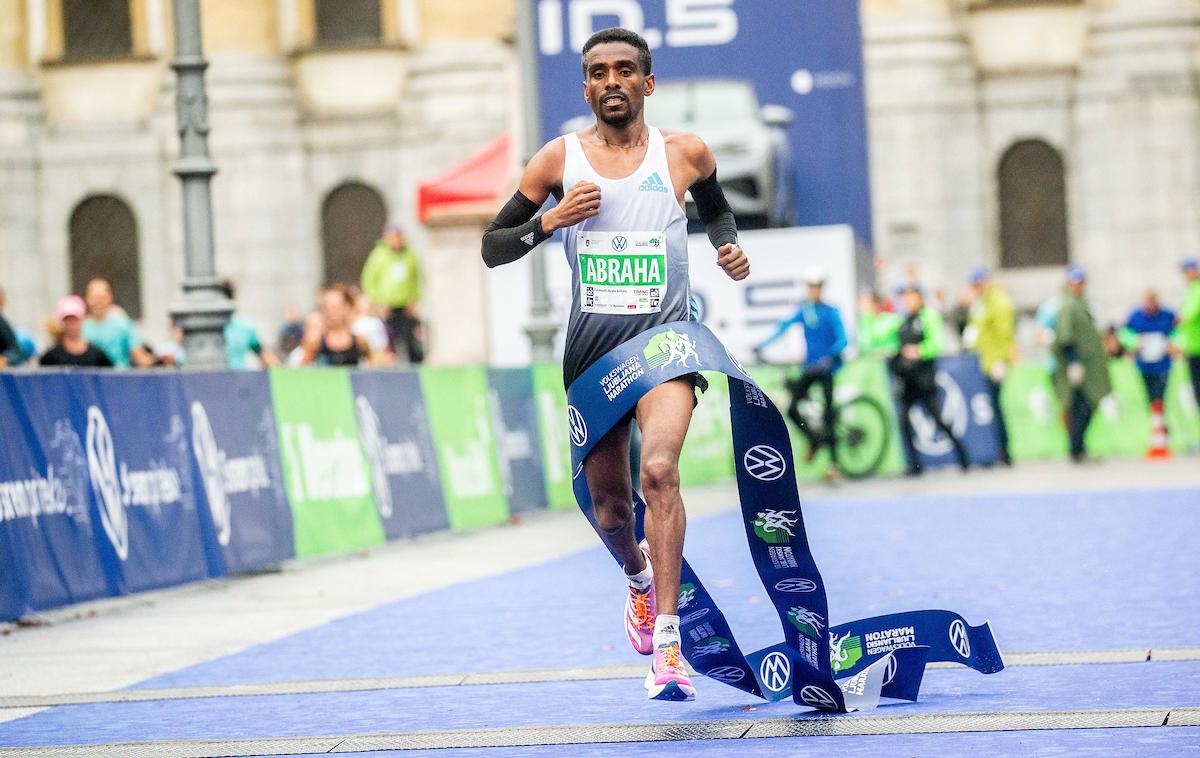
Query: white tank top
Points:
[629, 264]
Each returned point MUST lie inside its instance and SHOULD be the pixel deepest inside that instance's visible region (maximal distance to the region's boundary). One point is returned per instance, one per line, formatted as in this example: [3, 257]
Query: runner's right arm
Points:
[516, 230]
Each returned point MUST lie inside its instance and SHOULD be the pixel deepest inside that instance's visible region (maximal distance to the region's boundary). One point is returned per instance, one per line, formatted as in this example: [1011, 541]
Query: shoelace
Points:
[641, 606]
[671, 656]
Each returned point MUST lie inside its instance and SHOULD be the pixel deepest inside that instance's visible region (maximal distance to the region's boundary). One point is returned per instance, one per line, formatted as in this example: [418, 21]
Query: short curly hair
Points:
[617, 34]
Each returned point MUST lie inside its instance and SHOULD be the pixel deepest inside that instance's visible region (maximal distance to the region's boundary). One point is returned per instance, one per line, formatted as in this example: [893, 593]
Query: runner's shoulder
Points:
[544, 171]
[690, 148]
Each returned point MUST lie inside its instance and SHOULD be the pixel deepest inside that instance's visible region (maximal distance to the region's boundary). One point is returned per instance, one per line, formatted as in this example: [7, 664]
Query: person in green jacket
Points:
[878, 328]
[990, 332]
[391, 280]
[1081, 374]
[921, 334]
[1189, 323]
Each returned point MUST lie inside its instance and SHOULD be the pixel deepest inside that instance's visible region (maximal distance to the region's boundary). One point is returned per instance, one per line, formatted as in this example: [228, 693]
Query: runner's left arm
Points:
[714, 210]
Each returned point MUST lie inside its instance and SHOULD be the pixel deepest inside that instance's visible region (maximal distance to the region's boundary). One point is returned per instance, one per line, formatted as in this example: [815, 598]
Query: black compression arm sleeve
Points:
[514, 232]
[714, 211]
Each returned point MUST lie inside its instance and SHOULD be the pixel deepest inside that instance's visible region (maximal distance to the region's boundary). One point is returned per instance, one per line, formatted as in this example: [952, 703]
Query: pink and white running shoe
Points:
[668, 678]
[640, 613]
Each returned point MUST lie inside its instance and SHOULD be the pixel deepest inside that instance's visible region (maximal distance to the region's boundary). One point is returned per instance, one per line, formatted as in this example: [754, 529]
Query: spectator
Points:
[11, 353]
[391, 280]
[824, 339]
[291, 334]
[241, 338]
[1081, 374]
[72, 349]
[1147, 334]
[1189, 323]
[921, 336]
[332, 343]
[878, 327]
[369, 326]
[110, 329]
[991, 334]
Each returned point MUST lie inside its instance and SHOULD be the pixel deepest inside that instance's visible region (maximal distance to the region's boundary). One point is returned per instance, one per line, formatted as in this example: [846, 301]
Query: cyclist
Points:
[825, 339]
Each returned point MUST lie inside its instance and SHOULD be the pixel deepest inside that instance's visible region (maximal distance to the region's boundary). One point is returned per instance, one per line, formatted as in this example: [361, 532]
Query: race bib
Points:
[1154, 347]
[622, 272]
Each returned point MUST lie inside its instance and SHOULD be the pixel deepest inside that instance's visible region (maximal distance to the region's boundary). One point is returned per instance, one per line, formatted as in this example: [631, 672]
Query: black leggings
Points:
[799, 389]
[909, 397]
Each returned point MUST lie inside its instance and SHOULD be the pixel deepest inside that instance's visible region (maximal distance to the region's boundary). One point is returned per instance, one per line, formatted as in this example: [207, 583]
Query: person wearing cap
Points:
[921, 335]
[1189, 323]
[825, 339]
[990, 334]
[72, 348]
[1081, 372]
[391, 280]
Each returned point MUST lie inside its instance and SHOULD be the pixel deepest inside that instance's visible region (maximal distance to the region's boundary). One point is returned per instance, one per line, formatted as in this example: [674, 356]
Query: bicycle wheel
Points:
[861, 434]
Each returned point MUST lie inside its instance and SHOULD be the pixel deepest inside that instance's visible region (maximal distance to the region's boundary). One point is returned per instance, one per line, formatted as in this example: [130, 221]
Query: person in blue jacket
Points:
[1147, 335]
[825, 339]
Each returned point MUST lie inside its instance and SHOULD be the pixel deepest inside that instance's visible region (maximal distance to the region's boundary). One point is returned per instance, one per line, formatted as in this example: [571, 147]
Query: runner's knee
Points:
[660, 476]
[613, 512]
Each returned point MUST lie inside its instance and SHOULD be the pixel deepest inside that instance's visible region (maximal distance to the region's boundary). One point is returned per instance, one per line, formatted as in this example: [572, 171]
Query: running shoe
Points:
[668, 678]
[639, 614]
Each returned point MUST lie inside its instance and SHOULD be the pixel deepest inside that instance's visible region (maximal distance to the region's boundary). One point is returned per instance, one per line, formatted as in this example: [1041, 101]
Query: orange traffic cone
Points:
[1158, 433]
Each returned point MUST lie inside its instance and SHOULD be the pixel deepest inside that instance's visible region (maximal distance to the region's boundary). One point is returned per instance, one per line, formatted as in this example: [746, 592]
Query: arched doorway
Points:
[352, 219]
[1033, 206]
[104, 243]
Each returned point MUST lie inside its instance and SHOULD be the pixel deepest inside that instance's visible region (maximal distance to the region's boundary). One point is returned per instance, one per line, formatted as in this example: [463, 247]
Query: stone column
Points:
[21, 118]
[1136, 194]
[923, 120]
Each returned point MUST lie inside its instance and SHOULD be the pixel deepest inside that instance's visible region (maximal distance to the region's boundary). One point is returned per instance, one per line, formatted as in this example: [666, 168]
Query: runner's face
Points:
[614, 85]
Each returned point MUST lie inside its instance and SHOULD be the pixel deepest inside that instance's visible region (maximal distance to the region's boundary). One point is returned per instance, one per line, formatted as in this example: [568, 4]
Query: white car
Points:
[754, 162]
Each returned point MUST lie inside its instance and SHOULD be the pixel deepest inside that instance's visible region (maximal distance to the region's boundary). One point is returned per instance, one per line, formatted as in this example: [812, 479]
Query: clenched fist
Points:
[580, 202]
[732, 259]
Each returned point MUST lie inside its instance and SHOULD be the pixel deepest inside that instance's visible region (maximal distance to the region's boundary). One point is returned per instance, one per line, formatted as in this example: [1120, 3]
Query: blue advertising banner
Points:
[235, 458]
[135, 440]
[967, 409]
[47, 539]
[518, 444]
[394, 426]
[775, 89]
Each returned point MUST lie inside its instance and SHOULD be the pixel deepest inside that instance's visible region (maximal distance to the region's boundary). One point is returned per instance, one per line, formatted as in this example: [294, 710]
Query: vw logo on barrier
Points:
[211, 461]
[102, 466]
[889, 672]
[818, 698]
[578, 426]
[775, 671]
[959, 638]
[796, 585]
[764, 463]
[620, 243]
[727, 674]
[693, 617]
[375, 446]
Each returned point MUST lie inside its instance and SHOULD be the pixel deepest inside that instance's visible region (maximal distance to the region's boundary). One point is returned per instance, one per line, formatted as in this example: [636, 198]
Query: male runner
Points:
[620, 185]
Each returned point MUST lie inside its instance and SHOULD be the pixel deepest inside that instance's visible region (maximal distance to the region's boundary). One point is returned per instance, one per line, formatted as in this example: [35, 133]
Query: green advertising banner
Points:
[859, 377]
[460, 418]
[327, 476]
[707, 454]
[1033, 414]
[1121, 425]
[551, 402]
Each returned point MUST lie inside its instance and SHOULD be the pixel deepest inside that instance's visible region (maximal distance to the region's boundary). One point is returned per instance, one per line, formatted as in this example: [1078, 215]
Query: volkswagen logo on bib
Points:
[818, 698]
[619, 243]
[775, 671]
[796, 585]
[578, 426]
[764, 463]
[102, 465]
[210, 460]
[959, 638]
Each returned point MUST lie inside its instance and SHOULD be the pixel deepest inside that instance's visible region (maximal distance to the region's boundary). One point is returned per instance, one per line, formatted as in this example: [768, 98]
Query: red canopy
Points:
[478, 180]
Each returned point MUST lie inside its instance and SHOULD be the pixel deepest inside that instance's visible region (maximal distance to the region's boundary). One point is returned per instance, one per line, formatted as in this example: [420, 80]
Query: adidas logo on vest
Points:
[653, 183]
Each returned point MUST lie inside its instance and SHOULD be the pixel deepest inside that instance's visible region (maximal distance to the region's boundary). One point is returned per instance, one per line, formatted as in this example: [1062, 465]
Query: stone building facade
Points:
[1019, 134]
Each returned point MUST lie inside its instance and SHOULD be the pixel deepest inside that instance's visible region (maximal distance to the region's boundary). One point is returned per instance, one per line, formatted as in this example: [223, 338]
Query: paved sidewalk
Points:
[115, 643]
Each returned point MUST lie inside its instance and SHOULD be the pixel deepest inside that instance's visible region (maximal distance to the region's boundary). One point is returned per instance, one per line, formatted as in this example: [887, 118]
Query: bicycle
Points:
[861, 428]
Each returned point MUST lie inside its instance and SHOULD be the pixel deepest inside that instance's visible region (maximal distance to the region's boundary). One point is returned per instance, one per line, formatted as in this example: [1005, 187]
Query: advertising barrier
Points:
[328, 479]
[966, 407]
[393, 425]
[112, 483]
[235, 455]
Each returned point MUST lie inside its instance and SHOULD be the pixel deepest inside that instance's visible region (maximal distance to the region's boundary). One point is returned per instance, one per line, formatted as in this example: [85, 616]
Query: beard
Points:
[620, 119]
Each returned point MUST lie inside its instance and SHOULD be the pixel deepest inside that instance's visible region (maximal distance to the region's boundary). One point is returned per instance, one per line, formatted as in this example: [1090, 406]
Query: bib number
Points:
[622, 273]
